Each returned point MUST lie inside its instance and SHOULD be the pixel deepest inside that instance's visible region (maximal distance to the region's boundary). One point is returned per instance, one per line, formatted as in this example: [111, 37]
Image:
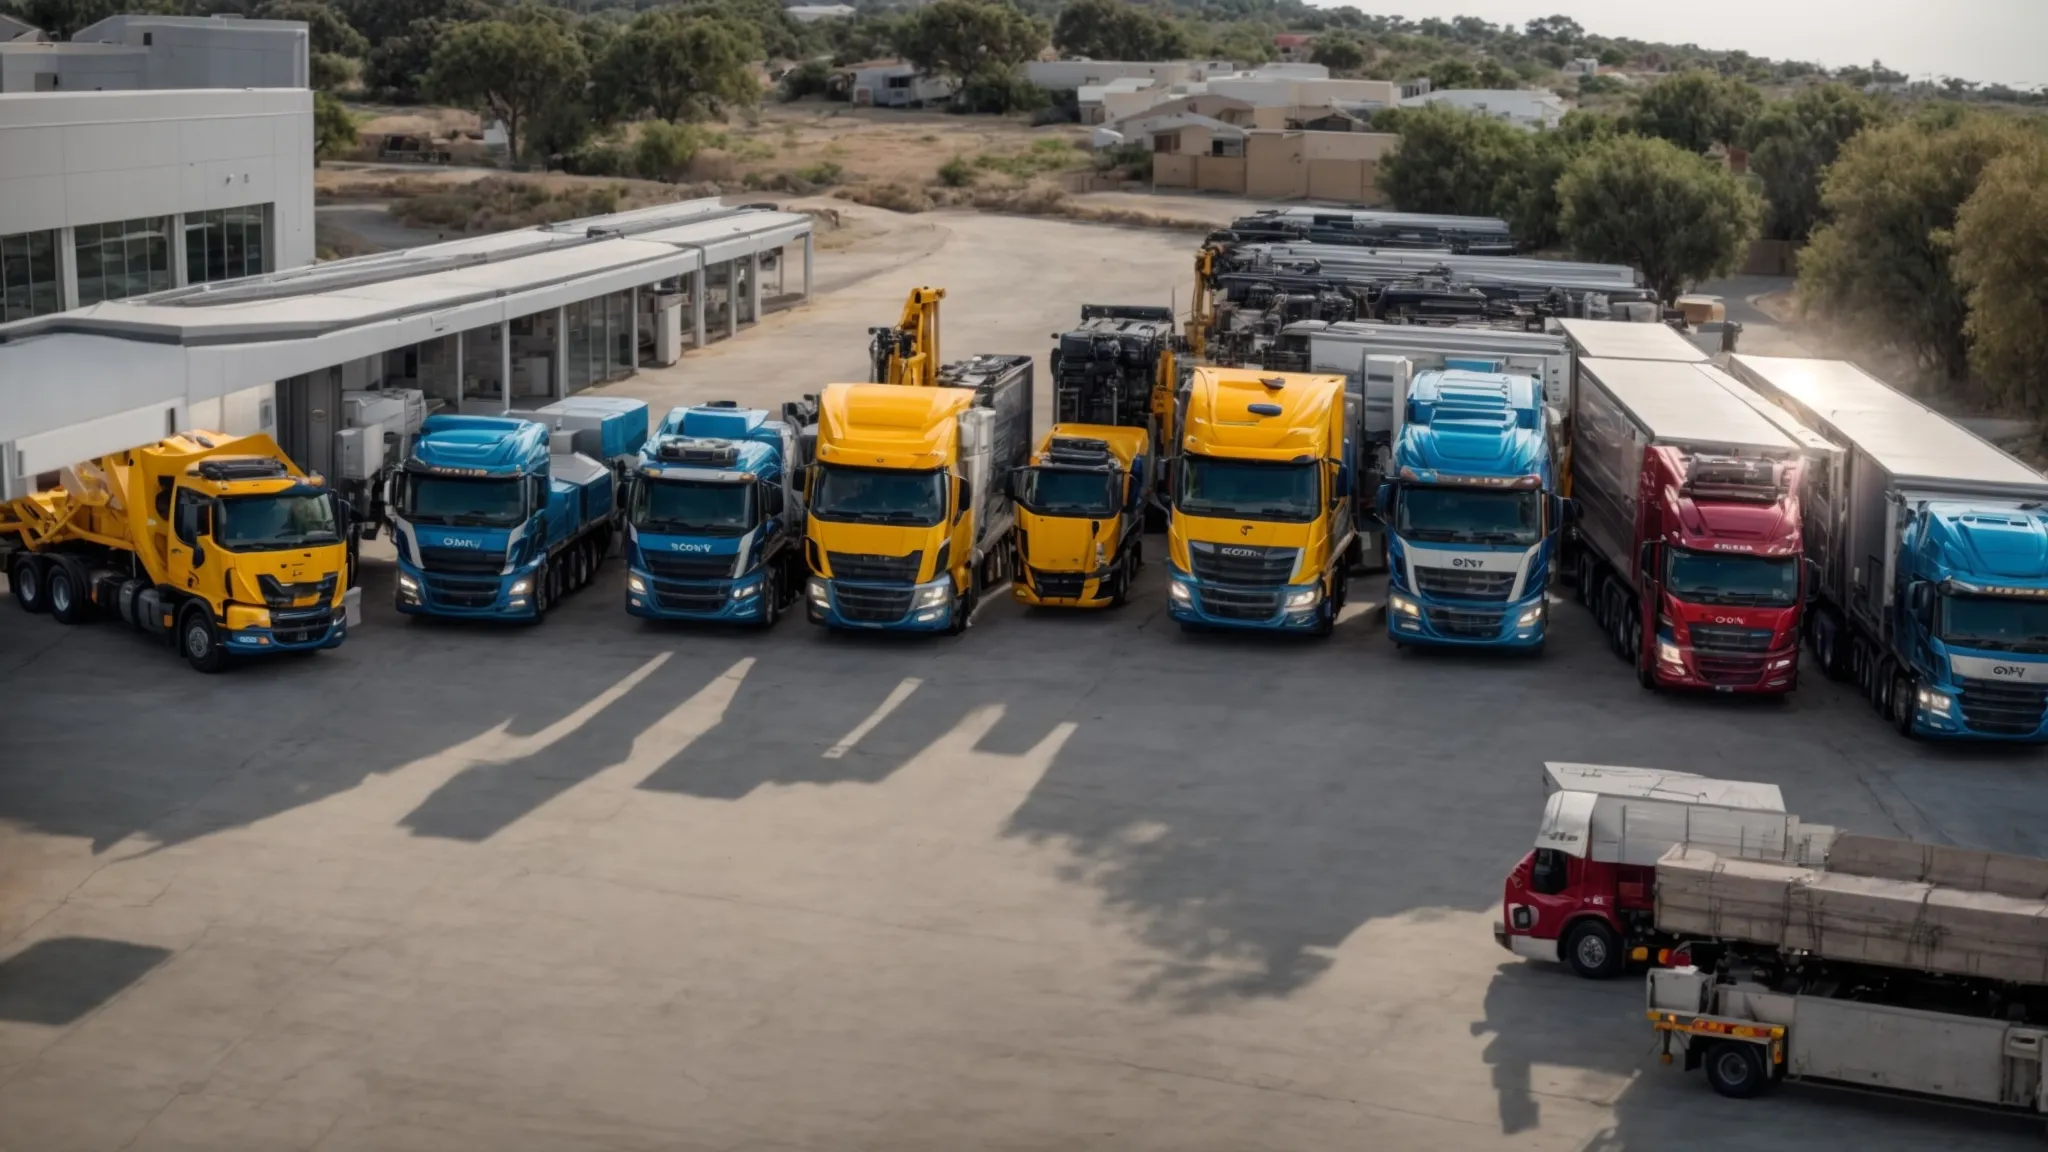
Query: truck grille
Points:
[1468, 625]
[457, 593]
[870, 604]
[278, 594]
[2002, 709]
[1242, 565]
[1058, 585]
[304, 626]
[688, 565]
[882, 569]
[1240, 604]
[681, 597]
[468, 560]
[1717, 638]
[1727, 671]
[1457, 584]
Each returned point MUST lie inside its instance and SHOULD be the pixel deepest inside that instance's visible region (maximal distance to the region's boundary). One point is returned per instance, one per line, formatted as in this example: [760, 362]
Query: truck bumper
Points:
[1764, 673]
[706, 601]
[327, 630]
[1062, 589]
[465, 597]
[1253, 609]
[927, 607]
[1941, 713]
[1516, 627]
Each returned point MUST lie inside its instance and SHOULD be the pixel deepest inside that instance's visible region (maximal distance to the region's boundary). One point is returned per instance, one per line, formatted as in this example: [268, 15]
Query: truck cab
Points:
[712, 522]
[491, 525]
[1973, 611]
[1262, 529]
[1081, 516]
[1473, 513]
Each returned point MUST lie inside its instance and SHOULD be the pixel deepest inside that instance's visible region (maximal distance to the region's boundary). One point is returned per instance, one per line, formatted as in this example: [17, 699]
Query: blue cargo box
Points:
[605, 427]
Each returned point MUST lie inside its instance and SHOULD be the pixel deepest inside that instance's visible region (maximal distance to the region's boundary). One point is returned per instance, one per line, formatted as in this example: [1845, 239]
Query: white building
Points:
[812, 13]
[125, 53]
[894, 84]
[1522, 107]
[1079, 75]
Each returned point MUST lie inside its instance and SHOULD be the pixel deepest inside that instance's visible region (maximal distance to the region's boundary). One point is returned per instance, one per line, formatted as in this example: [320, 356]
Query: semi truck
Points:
[1686, 544]
[1585, 894]
[1472, 511]
[1263, 530]
[219, 544]
[1118, 368]
[714, 523]
[1897, 967]
[1080, 508]
[908, 514]
[498, 518]
[1932, 550]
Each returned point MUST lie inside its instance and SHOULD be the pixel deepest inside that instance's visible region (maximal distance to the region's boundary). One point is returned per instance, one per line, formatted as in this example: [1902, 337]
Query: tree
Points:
[778, 34]
[971, 41]
[402, 35]
[1536, 214]
[1455, 162]
[511, 67]
[1678, 218]
[1562, 29]
[334, 127]
[1884, 254]
[1339, 53]
[675, 65]
[2001, 261]
[1115, 30]
[333, 44]
[862, 38]
[1792, 142]
[1451, 72]
[1696, 110]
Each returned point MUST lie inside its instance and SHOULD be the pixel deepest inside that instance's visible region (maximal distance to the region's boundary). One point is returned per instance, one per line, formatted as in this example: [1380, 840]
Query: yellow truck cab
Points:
[908, 517]
[1262, 523]
[1081, 516]
[219, 543]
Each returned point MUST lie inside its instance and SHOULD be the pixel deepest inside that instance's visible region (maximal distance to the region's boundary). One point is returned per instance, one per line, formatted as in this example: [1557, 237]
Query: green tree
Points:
[862, 38]
[1340, 53]
[402, 35]
[333, 44]
[2001, 261]
[1456, 162]
[1115, 30]
[664, 150]
[334, 127]
[1884, 256]
[975, 42]
[1696, 110]
[778, 34]
[1536, 214]
[675, 65]
[1562, 29]
[1792, 142]
[511, 68]
[1678, 218]
[1451, 72]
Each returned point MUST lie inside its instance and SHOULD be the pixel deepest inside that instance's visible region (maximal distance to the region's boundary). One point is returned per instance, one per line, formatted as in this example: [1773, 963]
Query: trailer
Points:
[1932, 550]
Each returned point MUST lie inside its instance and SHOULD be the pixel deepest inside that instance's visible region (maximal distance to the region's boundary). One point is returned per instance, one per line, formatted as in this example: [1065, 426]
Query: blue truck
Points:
[499, 517]
[714, 523]
[1472, 511]
[1930, 553]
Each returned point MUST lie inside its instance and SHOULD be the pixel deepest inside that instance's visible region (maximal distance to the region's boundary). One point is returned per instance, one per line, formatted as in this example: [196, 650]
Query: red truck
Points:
[1586, 894]
[1687, 543]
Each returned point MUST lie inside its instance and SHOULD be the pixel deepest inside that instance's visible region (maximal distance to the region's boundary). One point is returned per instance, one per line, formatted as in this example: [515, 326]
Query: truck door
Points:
[191, 524]
[1552, 895]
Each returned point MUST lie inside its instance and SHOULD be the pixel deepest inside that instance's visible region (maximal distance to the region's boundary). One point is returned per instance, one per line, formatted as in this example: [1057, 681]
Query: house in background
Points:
[1294, 47]
[890, 84]
[1522, 107]
[1272, 164]
[812, 13]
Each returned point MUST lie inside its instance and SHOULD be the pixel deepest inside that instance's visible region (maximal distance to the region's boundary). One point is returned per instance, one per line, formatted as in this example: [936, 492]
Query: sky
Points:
[1990, 41]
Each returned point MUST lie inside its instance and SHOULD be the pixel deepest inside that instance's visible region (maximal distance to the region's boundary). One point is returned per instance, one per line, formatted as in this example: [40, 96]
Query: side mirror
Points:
[1342, 485]
[1016, 484]
[1383, 503]
[771, 498]
[1130, 494]
[1919, 594]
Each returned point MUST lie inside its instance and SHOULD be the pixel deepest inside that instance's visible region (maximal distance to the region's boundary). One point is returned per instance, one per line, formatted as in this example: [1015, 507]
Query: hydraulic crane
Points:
[909, 352]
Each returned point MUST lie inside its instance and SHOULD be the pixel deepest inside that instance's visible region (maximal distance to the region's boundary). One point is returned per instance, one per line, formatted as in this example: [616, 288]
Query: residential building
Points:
[1187, 134]
[1522, 107]
[1273, 164]
[891, 84]
[1286, 90]
[1090, 98]
[1294, 47]
[1076, 75]
[812, 13]
[1582, 66]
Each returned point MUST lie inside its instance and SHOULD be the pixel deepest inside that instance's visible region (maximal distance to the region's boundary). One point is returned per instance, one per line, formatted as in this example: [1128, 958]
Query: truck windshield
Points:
[880, 496]
[1069, 492]
[1714, 578]
[2001, 623]
[496, 500]
[1470, 515]
[1248, 490]
[290, 519]
[696, 507]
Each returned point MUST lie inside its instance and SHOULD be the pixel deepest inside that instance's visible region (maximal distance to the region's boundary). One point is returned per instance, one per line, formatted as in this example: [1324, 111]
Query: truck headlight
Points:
[1669, 653]
[1938, 703]
[636, 584]
[1532, 616]
[1180, 593]
[408, 583]
[746, 590]
[1402, 606]
[522, 586]
[934, 596]
[819, 596]
[1305, 598]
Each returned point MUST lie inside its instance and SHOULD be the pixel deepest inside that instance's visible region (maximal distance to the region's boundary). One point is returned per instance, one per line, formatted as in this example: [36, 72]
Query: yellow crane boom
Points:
[909, 352]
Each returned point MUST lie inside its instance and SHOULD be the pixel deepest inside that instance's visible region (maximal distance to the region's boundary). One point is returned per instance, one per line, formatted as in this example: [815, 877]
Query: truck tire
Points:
[27, 580]
[1826, 637]
[1881, 686]
[581, 571]
[67, 591]
[1120, 588]
[771, 598]
[1735, 1069]
[1593, 950]
[198, 641]
[1905, 692]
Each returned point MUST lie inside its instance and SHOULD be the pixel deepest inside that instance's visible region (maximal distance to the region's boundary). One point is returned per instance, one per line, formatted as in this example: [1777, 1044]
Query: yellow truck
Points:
[1081, 516]
[909, 514]
[1264, 524]
[220, 544]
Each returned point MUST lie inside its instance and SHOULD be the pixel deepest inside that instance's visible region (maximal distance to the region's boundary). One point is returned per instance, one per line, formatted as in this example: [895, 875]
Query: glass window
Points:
[226, 243]
[28, 276]
[122, 259]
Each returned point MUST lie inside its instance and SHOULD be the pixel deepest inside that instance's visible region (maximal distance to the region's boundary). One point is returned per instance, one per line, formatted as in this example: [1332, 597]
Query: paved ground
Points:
[1090, 884]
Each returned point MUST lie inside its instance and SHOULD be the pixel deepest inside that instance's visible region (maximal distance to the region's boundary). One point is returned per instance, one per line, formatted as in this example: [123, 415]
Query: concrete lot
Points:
[1090, 884]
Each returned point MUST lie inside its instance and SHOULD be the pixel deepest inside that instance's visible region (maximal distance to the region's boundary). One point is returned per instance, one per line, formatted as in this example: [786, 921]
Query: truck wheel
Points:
[1827, 644]
[1881, 687]
[26, 579]
[543, 591]
[771, 599]
[198, 640]
[1735, 1069]
[1120, 591]
[67, 592]
[582, 567]
[1905, 693]
[1646, 675]
[1593, 950]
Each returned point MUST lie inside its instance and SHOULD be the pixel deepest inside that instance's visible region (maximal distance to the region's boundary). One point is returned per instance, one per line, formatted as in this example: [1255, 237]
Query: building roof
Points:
[1173, 121]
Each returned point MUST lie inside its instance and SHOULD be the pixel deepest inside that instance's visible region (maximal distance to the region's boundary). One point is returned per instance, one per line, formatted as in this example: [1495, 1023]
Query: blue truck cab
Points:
[714, 525]
[492, 523]
[1970, 617]
[1472, 513]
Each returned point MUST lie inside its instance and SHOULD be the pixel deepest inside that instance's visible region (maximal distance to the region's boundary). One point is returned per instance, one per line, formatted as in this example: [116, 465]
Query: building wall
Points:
[1173, 170]
[76, 160]
[1366, 146]
[211, 52]
[1286, 166]
[1072, 75]
[1274, 165]
[1525, 107]
[1220, 174]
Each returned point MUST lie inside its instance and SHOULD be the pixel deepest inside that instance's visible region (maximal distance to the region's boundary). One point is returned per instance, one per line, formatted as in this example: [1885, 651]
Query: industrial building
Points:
[481, 324]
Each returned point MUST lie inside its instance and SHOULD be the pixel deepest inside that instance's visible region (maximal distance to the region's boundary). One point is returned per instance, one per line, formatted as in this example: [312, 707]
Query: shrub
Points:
[664, 150]
[956, 173]
[823, 172]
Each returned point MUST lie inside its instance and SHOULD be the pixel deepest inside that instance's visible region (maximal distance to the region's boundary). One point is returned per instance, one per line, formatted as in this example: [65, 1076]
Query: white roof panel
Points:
[1662, 784]
[1685, 404]
[1622, 340]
